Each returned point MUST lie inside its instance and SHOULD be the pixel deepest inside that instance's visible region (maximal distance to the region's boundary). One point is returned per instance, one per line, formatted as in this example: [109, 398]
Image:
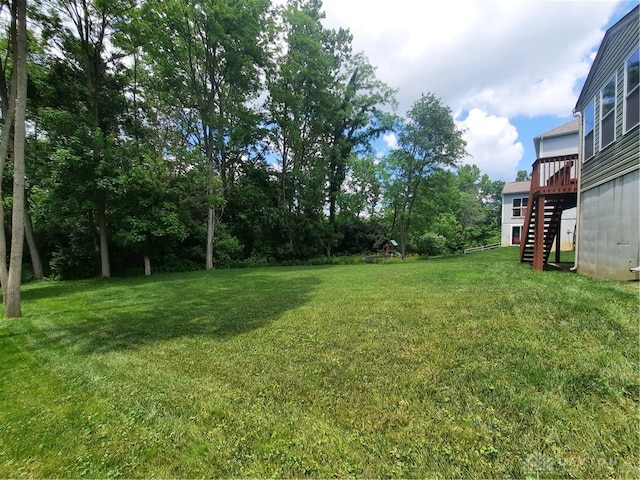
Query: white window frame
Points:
[524, 204]
[611, 113]
[627, 94]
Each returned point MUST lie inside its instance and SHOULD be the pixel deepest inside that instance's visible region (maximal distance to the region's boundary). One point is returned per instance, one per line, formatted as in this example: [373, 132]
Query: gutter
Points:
[579, 175]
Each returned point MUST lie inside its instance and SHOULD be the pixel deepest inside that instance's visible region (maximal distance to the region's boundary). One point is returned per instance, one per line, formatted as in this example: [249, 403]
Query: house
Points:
[515, 197]
[549, 217]
[608, 228]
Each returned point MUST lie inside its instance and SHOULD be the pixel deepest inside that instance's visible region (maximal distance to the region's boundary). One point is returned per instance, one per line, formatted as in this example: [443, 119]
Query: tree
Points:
[8, 84]
[204, 58]
[522, 176]
[13, 301]
[363, 190]
[255, 214]
[82, 29]
[299, 86]
[479, 212]
[428, 139]
[356, 118]
[150, 218]
[325, 105]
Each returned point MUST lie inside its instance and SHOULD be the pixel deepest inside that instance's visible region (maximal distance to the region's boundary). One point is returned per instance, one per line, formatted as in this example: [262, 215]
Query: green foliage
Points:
[430, 244]
[428, 140]
[74, 260]
[226, 249]
[149, 214]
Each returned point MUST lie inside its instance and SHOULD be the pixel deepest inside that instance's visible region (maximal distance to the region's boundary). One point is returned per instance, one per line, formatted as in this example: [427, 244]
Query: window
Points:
[589, 120]
[520, 206]
[607, 113]
[632, 97]
[515, 235]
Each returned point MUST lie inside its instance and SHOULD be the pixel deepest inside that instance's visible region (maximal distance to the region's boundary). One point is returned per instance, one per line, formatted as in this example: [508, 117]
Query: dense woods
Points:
[181, 134]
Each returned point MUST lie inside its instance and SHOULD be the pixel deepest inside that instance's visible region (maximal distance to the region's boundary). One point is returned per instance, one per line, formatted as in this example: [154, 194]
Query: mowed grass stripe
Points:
[469, 366]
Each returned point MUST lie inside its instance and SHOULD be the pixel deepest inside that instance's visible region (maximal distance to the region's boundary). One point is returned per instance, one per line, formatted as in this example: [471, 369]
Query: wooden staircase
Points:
[553, 190]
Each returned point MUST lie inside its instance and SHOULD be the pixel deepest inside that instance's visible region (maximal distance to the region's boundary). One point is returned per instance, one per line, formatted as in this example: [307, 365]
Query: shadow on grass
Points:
[49, 289]
[133, 314]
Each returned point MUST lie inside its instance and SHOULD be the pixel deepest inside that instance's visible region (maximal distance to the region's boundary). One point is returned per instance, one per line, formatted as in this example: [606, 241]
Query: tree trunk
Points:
[38, 272]
[104, 241]
[147, 265]
[211, 224]
[403, 237]
[4, 148]
[13, 303]
[7, 136]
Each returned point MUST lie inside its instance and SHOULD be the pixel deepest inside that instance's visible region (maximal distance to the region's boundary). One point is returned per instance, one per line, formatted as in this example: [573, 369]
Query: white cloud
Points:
[390, 140]
[492, 144]
[509, 58]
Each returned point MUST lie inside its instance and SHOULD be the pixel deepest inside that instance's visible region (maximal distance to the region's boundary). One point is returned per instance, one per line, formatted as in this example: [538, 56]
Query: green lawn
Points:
[470, 366]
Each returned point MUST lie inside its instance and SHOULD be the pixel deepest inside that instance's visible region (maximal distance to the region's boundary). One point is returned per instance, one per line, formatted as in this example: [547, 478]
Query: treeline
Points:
[184, 134]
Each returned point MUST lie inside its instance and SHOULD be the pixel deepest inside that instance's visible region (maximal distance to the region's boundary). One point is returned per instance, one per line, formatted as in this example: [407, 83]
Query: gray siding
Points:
[610, 229]
[508, 220]
[558, 146]
[617, 159]
[609, 201]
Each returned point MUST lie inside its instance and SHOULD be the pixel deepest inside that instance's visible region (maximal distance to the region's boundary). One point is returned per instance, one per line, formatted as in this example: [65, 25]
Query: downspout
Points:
[579, 176]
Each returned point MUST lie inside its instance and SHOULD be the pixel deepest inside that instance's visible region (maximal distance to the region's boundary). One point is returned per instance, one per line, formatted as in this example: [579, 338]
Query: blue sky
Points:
[509, 69]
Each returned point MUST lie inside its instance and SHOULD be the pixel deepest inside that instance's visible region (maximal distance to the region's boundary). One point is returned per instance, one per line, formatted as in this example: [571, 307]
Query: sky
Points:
[509, 70]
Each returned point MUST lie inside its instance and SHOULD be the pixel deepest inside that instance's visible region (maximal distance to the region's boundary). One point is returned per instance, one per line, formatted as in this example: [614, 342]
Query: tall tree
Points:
[299, 92]
[363, 190]
[13, 301]
[149, 217]
[8, 84]
[355, 119]
[428, 139]
[82, 30]
[206, 58]
[479, 210]
[325, 104]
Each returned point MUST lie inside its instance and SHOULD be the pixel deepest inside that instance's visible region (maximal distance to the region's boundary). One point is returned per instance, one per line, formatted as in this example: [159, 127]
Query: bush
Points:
[75, 261]
[226, 250]
[430, 244]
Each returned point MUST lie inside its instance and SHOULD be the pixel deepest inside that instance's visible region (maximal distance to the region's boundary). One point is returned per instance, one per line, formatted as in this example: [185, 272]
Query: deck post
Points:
[558, 238]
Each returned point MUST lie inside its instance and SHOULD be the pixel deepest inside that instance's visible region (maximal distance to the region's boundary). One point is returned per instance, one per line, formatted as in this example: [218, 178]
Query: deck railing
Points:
[554, 175]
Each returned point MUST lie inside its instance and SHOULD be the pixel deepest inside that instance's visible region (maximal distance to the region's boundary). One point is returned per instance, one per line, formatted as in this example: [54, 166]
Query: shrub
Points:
[430, 244]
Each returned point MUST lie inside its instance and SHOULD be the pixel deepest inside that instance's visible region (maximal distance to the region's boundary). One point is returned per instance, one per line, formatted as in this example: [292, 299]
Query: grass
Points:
[470, 366]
